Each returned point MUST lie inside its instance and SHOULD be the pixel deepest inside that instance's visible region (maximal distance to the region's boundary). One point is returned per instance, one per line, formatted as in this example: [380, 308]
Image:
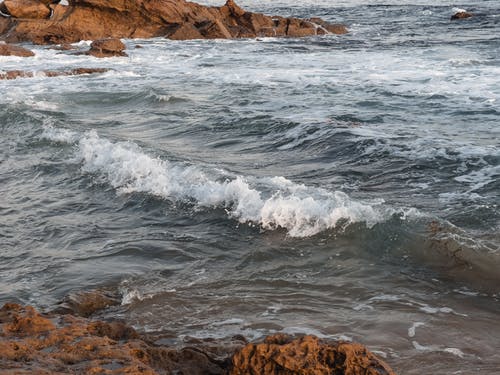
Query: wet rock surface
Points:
[111, 47]
[31, 342]
[176, 19]
[14, 74]
[12, 50]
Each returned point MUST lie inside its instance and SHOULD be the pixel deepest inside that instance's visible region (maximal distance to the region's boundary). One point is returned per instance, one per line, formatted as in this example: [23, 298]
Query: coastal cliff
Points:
[43, 22]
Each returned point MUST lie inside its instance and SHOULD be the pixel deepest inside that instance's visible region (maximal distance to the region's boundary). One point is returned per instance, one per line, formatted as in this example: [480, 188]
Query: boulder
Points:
[461, 15]
[107, 48]
[11, 50]
[27, 9]
[283, 355]
[176, 19]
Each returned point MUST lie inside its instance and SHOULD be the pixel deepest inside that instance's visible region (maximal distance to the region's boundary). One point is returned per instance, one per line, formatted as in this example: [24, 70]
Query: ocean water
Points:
[346, 186]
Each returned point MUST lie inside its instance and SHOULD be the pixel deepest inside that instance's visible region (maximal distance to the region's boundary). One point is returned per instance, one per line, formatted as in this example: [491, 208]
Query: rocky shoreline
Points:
[48, 22]
[64, 342]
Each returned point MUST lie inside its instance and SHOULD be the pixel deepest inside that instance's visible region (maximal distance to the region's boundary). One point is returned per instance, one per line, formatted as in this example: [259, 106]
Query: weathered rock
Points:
[107, 48]
[34, 343]
[282, 355]
[11, 50]
[176, 19]
[29, 9]
[13, 74]
[461, 16]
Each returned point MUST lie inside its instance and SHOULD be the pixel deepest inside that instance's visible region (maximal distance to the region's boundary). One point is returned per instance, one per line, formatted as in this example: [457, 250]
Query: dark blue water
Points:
[346, 186]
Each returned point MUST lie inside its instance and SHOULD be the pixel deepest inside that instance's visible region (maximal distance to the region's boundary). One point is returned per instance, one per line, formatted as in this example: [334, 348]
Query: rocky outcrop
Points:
[34, 343]
[461, 15]
[11, 50]
[176, 19]
[107, 48]
[308, 355]
[13, 74]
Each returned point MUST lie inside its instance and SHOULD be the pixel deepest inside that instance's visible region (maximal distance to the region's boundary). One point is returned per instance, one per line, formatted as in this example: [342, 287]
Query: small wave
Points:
[458, 10]
[271, 203]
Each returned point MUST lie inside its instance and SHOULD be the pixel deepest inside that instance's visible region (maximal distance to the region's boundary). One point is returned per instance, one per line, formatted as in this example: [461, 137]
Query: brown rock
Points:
[177, 19]
[30, 9]
[11, 50]
[461, 16]
[324, 27]
[13, 74]
[107, 48]
[213, 30]
[282, 355]
[31, 343]
[186, 32]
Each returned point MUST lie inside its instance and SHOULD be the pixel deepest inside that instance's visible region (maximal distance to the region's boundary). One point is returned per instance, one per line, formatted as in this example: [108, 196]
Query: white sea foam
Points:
[480, 178]
[434, 348]
[271, 203]
[59, 135]
[412, 329]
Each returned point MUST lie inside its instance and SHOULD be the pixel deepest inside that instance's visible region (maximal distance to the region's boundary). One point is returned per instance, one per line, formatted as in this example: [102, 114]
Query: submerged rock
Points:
[176, 19]
[461, 15]
[31, 342]
[13, 74]
[11, 50]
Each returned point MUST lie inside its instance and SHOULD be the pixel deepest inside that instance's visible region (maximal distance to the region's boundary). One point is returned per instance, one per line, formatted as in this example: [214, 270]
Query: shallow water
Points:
[346, 186]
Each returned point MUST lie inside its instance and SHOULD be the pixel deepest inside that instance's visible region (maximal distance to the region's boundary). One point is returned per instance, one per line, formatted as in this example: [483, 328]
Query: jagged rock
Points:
[11, 50]
[461, 16]
[176, 19]
[13, 74]
[107, 48]
[282, 355]
[29, 9]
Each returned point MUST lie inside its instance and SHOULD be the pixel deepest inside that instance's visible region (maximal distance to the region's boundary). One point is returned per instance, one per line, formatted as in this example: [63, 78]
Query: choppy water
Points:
[346, 186]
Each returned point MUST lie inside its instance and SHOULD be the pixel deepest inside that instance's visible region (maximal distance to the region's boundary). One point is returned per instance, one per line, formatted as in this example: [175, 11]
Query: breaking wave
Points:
[271, 203]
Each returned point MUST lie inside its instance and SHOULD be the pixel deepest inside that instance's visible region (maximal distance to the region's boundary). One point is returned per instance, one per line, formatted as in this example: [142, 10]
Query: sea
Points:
[346, 186]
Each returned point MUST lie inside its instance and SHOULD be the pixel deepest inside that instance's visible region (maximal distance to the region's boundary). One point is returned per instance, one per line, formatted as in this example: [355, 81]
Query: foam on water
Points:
[271, 203]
